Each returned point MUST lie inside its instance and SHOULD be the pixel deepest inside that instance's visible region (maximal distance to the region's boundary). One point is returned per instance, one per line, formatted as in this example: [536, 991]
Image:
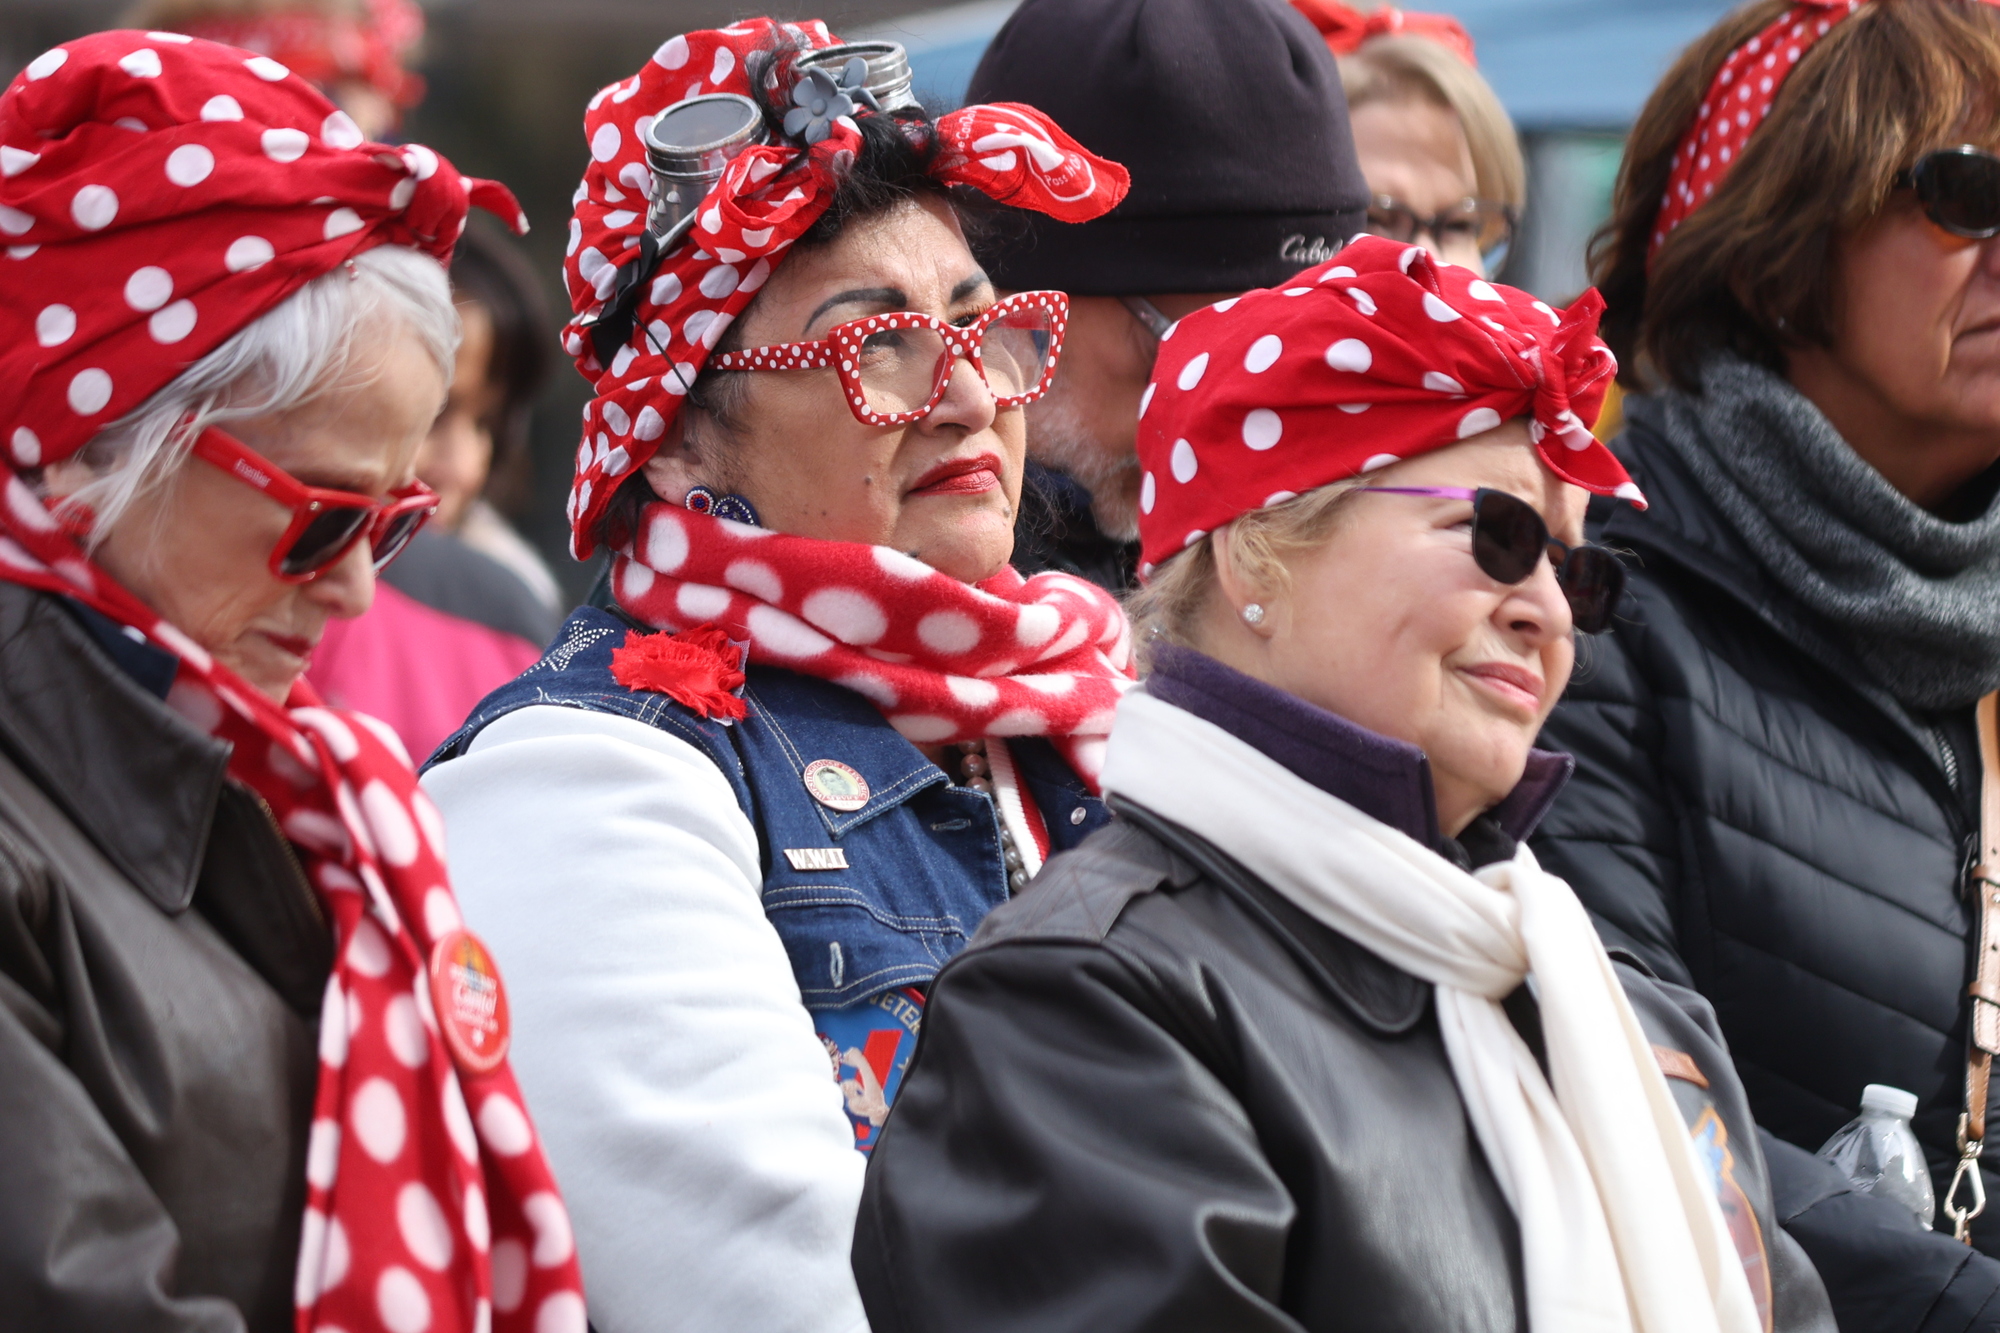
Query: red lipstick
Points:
[960, 476]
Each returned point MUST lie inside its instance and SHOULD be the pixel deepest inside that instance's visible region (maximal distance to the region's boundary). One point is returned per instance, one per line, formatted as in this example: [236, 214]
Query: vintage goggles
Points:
[1509, 539]
[325, 523]
[895, 368]
[689, 145]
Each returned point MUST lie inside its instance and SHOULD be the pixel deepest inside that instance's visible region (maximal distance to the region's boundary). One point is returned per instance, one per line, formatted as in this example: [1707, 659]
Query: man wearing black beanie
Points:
[1230, 117]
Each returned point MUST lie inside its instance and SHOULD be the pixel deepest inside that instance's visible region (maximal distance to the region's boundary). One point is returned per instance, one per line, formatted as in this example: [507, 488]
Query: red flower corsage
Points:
[699, 668]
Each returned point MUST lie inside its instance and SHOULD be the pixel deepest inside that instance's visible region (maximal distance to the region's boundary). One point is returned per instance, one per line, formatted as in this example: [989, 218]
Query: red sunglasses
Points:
[325, 524]
[895, 368]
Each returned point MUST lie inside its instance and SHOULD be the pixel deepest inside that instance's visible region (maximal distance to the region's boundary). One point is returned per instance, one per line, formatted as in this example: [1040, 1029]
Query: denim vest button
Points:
[1078, 815]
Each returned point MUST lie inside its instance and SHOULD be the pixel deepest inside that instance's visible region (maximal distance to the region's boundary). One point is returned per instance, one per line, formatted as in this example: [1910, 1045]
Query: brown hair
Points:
[1391, 68]
[1752, 270]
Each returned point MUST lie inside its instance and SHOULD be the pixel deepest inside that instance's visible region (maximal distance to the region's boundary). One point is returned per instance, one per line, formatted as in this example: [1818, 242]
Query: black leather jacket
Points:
[1155, 1095]
[161, 966]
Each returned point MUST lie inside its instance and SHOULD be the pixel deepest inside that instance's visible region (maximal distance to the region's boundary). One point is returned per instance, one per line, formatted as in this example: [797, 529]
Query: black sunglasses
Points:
[1509, 538]
[1959, 189]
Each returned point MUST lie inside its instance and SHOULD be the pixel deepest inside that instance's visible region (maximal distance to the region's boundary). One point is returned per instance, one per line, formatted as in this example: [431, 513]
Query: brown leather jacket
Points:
[161, 965]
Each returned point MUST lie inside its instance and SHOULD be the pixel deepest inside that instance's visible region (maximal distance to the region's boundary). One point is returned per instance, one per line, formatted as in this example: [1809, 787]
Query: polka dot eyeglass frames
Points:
[895, 368]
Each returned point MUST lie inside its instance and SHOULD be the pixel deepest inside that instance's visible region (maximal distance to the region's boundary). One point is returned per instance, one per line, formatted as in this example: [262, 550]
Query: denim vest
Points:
[923, 862]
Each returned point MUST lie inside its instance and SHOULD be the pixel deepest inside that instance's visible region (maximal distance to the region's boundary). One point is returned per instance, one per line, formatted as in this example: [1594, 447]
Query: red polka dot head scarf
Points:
[1382, 354]
[155, 190]
[1738, 99]
[328, 48]
[767, 198]
[153, 194]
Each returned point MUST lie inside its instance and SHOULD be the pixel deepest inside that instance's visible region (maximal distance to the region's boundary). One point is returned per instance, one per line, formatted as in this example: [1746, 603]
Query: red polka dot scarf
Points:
[1379, 355]
[1737, 101]
[943, 660]
[156, 188]
[766, 199]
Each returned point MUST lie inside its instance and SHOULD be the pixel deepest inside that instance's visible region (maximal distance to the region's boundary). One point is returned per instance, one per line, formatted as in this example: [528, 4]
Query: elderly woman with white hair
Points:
[1305, 1039]
[244, 1039]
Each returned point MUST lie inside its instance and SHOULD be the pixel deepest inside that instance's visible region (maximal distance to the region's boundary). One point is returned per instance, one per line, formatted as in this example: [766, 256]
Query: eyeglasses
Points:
[1471, 229]
[325, 524]
[1509, 539]
[1959, 189]
[895, 368]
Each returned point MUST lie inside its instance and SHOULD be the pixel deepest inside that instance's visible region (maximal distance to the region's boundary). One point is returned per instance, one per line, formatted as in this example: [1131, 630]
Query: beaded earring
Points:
[702, 500]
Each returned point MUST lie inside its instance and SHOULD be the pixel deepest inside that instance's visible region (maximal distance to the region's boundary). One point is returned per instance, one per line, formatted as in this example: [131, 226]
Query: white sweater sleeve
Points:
[685, 1103]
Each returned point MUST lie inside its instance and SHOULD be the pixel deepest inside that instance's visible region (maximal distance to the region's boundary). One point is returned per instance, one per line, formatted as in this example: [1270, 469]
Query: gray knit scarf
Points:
[1916, 599]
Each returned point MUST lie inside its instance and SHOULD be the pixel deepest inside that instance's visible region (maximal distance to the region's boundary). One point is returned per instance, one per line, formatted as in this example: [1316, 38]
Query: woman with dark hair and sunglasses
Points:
[1306, 1039]
[1779, 774]
[730, 826]
[245, 1036]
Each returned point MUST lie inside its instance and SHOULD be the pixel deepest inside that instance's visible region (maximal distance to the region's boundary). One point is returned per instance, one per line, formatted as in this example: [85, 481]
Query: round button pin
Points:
[835, 785]
[471, 1003]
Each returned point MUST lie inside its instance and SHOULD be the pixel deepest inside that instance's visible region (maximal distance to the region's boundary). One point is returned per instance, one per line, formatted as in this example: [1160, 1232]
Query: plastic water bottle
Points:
[1879, 1152]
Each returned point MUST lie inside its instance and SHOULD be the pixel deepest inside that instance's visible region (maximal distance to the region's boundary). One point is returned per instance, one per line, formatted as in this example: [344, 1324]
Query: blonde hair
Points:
[1169, 607]
[1393, 68]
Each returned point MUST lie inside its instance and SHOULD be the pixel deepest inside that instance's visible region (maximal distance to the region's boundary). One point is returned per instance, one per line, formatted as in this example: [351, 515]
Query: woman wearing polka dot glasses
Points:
[1305, 1039]
[253, 1070]
[729, 828]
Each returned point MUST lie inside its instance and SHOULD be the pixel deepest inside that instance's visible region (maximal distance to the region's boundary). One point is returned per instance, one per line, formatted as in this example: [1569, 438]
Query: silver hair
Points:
[283, 359]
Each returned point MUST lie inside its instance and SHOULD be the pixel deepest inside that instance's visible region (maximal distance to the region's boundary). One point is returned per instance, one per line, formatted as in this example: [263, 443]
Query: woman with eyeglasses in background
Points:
[1779, 771]
[243, 1045]
[1438, 150]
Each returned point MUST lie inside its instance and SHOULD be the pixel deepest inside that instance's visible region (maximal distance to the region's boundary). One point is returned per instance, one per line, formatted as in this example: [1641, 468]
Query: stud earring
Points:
[702, 500]
[1253, 614]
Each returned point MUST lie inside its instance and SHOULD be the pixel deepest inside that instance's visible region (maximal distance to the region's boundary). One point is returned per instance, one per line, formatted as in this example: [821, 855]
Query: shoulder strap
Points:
[1984, 1038]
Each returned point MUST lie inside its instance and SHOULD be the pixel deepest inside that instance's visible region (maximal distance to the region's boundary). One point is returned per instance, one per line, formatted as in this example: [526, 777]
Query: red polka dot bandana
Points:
[153, 194]
[1736, 104]
[1377, 356]
[1346, 28]
[766, 199]
[943, 660]
[325, 48]
[429, 1205]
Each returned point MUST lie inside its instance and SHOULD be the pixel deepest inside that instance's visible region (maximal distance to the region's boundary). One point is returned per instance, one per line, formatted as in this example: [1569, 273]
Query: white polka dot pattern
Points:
[161, 226]
[1738, 99]
[1387, 354]
[1047, 656]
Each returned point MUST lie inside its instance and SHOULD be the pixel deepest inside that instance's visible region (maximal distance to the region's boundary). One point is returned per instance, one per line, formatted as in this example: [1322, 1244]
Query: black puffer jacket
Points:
[1755, 819]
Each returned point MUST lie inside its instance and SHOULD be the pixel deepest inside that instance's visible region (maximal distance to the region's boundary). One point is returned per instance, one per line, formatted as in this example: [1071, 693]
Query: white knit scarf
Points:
[1620, 1229]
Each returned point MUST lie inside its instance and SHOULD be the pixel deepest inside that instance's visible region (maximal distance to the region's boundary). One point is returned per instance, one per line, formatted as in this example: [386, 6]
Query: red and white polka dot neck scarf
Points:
[157, 190]
[1377, 356]
[943, 660]
[767, 198]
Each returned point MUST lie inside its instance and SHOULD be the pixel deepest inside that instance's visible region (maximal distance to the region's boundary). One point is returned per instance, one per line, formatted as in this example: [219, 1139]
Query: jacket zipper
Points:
[271, 818]
[1947, 754]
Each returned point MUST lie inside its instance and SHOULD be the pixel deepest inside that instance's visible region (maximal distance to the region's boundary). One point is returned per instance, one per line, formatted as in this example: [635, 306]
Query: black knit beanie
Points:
[1228, 114]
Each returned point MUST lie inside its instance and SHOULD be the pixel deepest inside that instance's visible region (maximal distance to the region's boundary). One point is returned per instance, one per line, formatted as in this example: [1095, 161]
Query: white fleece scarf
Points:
[1620, 1229]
